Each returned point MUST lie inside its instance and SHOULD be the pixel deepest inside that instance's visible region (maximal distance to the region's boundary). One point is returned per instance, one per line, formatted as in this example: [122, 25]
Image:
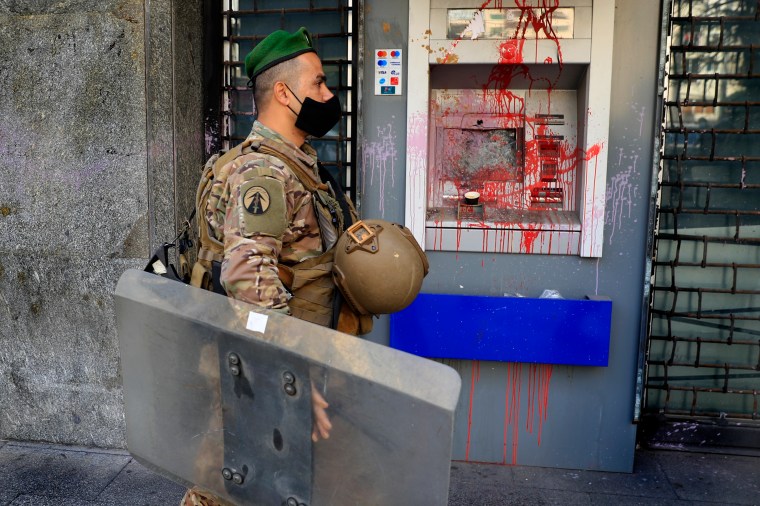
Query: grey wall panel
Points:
[87, 185]
[74, 200]
[381, 173]
[588, 411]
[189, 138]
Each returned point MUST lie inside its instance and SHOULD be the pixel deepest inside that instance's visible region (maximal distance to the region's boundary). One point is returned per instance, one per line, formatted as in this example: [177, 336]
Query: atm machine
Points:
[509, 104]
[507, 140]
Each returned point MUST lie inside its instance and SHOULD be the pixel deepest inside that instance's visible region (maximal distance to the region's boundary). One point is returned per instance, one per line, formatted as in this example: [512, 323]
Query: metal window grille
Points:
[332, 24]
[703, 357]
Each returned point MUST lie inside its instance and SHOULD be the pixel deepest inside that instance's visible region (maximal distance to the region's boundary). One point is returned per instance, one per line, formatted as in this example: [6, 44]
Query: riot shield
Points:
[217, 393]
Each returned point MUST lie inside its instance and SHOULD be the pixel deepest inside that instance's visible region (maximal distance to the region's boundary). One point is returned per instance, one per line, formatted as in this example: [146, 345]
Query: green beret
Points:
[276, 48]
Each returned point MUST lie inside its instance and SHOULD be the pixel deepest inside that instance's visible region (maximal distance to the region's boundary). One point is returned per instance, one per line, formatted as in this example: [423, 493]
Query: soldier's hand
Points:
[322, 425]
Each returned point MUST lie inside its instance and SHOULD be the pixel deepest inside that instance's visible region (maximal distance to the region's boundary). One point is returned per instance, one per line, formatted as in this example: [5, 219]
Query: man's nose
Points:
[326, 93]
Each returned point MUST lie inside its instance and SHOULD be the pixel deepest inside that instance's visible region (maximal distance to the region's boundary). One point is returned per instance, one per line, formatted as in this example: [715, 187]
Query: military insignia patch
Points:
[262, 207]
[256, 200]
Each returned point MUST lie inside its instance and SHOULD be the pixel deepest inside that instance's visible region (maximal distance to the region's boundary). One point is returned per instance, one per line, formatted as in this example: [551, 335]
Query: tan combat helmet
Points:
[379, 267]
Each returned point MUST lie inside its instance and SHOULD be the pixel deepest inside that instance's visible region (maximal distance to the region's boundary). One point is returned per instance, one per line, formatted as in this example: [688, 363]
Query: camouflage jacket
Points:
[264, 216]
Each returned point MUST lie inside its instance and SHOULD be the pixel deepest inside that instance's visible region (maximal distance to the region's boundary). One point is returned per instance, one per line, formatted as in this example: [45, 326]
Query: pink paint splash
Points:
[379, 159]
[621, 195]
[416, 149]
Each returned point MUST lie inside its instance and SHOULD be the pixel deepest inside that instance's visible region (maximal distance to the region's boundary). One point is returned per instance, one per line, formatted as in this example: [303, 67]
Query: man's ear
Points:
[281, 93]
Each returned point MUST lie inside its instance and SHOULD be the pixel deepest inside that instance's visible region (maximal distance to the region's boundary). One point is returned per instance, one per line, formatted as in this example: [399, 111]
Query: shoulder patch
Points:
[262, 207]
[256, 200]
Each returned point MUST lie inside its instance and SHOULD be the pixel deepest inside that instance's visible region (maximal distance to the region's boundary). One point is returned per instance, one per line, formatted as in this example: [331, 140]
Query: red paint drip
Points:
[593, 151]
[474, 378]
[530, 232]
[516, 391]
[543, 406]
[459, 237]
[539, 378]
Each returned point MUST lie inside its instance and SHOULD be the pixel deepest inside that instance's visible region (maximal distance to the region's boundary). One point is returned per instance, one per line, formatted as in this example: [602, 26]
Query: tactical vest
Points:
[310, 281]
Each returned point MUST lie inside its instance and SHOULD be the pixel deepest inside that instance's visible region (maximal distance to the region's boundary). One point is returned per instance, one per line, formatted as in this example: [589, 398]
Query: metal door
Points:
[703, 352]
[332, 24]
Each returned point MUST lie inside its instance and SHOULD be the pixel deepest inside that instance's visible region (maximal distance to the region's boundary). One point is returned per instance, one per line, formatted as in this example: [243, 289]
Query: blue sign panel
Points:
[507, 329]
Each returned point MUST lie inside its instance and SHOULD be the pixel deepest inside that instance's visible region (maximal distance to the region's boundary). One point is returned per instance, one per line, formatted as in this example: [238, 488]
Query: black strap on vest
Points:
[340, 195]
[348, 220]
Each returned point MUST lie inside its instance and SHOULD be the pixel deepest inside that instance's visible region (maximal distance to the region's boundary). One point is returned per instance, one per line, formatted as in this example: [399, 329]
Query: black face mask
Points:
[317, 118]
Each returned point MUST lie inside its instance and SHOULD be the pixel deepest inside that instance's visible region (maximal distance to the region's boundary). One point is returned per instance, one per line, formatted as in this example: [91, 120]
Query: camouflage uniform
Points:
[199, 497]
[265, 216]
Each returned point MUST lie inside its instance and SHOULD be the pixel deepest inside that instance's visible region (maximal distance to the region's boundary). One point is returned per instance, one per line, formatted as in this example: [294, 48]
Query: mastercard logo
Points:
[382, 54]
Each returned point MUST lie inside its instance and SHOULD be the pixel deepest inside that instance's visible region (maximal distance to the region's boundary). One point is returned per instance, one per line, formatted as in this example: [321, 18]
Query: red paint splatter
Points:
[497, 4]
[543, 170]
[512, 409]
[593, 151]
[530, 232]
[438, 236]
[510, 51]
[539, 377]
[459, 237]
[593, 191]
[474, 378]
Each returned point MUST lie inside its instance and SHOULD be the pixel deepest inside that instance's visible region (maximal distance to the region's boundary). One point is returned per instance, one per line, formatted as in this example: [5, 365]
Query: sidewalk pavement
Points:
[44, 475]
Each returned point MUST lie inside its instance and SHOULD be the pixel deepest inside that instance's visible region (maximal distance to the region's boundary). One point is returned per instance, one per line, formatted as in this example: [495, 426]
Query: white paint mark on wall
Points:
[640, 113]
[378, 163]
[621, 192]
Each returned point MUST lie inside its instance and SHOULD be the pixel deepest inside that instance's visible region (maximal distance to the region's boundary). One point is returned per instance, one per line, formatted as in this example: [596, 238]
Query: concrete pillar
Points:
[100, 145]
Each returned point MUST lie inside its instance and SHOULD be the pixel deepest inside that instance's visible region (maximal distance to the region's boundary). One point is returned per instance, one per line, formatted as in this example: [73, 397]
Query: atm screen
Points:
[473, 156]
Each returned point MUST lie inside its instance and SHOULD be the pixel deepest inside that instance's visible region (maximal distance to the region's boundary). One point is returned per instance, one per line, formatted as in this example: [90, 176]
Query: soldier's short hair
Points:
[288, 72]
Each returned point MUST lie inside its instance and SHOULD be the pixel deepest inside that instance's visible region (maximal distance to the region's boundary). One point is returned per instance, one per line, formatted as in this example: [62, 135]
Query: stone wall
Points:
[89, 168]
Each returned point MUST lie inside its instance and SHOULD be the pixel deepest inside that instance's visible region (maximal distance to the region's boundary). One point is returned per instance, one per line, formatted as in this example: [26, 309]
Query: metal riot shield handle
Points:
[266, 412]
[217, 393]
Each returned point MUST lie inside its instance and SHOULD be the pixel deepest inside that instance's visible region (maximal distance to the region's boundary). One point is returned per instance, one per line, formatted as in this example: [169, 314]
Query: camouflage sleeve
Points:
[256, 218]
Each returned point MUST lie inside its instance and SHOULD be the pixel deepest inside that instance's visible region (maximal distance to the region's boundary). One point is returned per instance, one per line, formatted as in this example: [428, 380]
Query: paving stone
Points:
[463, 473]
[647, 479]
[41, 500]
[46, 475]
[705, 477]
[6, 496]
[84, 449]
[490, 495]
[138, 486]
[57, 473]
[488, 484]
[629, 500]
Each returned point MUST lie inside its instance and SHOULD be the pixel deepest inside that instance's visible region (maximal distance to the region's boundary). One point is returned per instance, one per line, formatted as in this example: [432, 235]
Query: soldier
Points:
[274, 217]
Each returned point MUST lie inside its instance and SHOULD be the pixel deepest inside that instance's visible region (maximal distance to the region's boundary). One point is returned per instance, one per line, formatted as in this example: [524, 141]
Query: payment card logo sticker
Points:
[388, 72]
